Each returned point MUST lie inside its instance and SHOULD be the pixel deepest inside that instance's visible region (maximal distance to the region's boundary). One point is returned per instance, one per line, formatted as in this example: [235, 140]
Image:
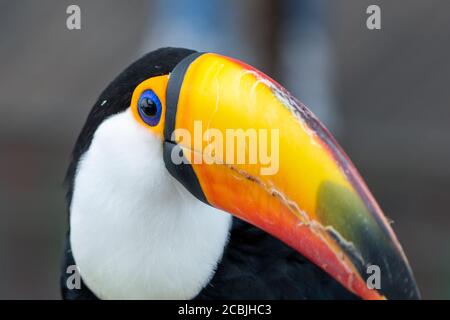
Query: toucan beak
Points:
[240, 142]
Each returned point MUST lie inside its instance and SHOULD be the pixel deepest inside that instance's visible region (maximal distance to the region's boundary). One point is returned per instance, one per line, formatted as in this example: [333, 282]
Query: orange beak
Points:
[240, 142]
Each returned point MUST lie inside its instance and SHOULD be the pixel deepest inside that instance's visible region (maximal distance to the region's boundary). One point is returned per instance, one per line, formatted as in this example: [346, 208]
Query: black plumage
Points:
[254, 265]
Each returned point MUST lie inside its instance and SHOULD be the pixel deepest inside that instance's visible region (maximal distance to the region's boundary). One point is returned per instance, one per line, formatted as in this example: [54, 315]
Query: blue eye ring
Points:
[149, 108]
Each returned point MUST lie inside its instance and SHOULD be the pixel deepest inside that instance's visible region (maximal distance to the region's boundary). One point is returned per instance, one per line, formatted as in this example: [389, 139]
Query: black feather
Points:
[256, 265]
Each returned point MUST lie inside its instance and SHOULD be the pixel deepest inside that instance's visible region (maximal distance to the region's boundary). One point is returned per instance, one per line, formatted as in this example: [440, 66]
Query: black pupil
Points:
[148, 107]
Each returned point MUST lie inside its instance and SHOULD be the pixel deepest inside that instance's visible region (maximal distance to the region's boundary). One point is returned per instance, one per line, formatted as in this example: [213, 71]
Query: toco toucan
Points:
[171, 194]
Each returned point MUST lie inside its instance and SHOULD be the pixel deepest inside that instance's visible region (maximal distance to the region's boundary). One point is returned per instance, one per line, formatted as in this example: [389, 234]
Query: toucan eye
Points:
[149, 108]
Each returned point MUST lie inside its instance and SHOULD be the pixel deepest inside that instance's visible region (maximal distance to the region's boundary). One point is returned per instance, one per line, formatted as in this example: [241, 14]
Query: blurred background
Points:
[383, 93]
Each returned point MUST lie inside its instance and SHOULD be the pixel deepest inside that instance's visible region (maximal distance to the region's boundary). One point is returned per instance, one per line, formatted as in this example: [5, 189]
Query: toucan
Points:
[162, 206]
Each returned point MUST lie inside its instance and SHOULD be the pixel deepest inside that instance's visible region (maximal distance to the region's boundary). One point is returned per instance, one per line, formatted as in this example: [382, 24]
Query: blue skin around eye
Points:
[152, 121]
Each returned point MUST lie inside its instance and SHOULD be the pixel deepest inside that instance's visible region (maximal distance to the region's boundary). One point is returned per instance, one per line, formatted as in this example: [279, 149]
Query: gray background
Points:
[392, 94]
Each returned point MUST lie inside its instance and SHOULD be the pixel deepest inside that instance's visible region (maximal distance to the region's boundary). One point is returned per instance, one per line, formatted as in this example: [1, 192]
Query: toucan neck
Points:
[135, 231]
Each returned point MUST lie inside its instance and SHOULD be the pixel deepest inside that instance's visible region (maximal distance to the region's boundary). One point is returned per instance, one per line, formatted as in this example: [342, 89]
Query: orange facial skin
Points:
[159, 87]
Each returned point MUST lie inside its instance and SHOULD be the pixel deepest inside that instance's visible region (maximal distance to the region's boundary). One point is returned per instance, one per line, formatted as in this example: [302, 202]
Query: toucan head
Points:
[238, 141]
